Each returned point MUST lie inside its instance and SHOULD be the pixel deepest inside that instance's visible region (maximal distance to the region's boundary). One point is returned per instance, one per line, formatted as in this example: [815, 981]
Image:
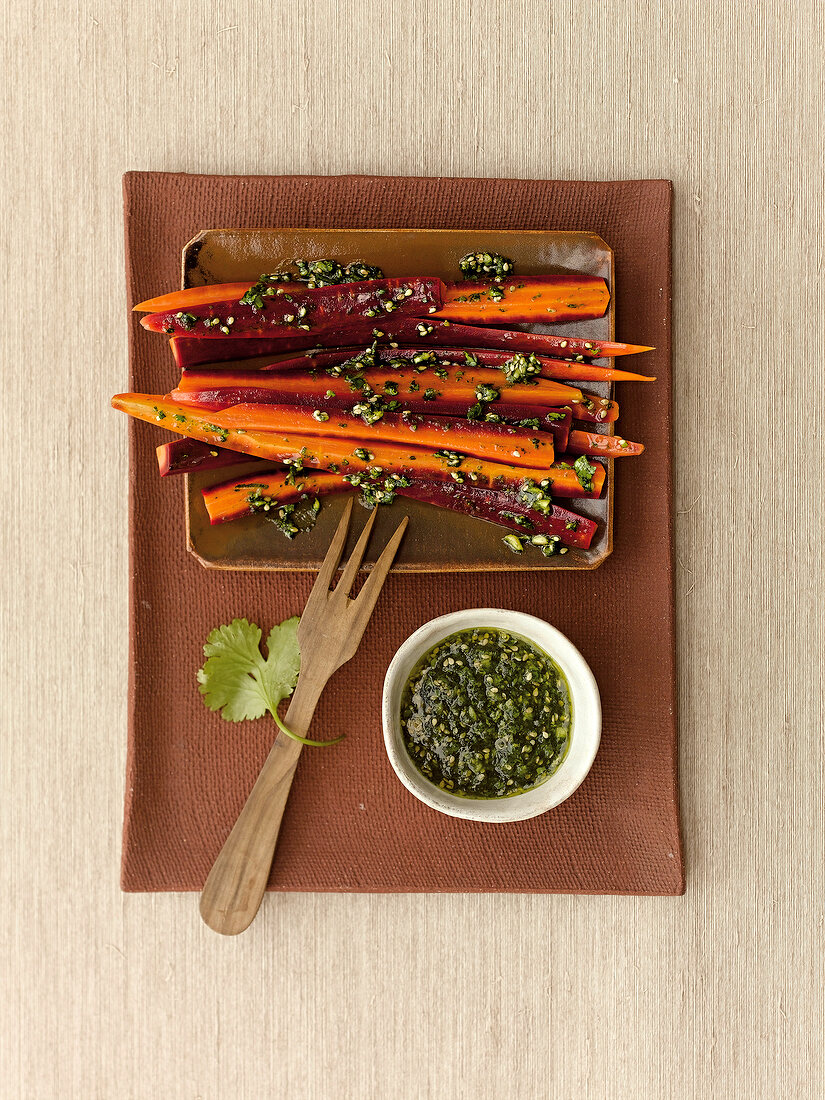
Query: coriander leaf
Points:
[584, 472]
[240, 683]
[284, 661]
[232, 680]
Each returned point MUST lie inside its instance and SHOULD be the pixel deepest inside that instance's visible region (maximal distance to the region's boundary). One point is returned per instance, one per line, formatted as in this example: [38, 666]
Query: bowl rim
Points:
[585, 733]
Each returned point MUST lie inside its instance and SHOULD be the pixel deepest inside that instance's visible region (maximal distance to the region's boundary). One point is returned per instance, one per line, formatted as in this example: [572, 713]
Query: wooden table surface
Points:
[717, 994]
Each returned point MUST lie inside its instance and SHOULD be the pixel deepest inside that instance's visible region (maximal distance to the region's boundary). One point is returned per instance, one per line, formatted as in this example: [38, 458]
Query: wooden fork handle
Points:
[236, 884]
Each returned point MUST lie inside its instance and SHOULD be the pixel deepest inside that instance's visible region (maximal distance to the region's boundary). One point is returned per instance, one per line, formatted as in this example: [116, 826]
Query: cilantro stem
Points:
[304, 740]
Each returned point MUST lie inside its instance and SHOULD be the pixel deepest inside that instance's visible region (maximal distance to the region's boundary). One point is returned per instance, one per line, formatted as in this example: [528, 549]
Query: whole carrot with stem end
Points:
[264, 491]
[340, 455]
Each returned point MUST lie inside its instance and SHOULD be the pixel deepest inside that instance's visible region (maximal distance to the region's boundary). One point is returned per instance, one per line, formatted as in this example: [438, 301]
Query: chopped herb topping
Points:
[536, 497]
[584, 472]
[487, 393]
[522, 521]
[521, 367]
[485, 265]
[424, 357]
[451, 458]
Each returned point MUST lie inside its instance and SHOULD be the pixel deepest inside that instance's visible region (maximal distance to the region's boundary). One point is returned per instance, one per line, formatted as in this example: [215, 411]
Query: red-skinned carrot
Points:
[605, 446]
[518, 300]
[428, 331]
[539, 365]
[264, 491]
[560, 369]
[509, 413]
[323, 453]
[271, 309]
[496, 442]
[185, 456]
[493, 505]
[436, 384]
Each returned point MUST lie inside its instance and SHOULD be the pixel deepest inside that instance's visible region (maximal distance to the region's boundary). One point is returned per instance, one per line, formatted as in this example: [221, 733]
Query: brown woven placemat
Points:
[349, 823]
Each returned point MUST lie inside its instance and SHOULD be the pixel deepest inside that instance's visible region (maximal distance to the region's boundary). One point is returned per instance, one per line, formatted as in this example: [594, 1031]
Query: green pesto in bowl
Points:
[486, 714]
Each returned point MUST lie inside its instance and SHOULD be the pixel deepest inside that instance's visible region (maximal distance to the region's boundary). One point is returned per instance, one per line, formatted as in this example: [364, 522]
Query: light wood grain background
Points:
[715, 995]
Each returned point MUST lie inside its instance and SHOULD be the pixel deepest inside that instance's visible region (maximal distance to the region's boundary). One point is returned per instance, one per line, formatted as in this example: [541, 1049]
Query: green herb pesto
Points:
[485, 265]
[486, 714]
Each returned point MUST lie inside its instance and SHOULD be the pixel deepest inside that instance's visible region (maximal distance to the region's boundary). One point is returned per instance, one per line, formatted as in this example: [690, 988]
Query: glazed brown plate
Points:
[436, 539]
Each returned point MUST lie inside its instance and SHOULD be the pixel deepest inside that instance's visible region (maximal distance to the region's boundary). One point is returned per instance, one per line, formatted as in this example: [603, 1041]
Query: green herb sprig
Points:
[241, 683]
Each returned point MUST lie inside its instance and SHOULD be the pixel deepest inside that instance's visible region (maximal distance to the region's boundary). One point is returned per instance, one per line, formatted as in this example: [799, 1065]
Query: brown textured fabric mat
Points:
[349, 823]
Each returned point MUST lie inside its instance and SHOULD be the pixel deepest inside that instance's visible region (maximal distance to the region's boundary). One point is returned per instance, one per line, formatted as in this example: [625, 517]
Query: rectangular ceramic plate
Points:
[436, 539]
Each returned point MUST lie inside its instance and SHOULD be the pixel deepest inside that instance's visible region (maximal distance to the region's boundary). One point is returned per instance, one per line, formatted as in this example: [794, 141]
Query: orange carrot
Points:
[340, 455]
[598, 410]
[529, 298]
[200, 296]
[497, 442]
[266, 491]
[609, 446]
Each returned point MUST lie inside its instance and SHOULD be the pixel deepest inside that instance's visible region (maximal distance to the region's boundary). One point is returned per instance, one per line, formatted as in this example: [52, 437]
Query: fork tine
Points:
[366, 598]
[333, 557]
[357, 556]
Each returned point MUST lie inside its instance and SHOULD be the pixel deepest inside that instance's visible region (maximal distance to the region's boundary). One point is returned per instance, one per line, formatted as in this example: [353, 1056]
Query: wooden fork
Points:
[329, 633]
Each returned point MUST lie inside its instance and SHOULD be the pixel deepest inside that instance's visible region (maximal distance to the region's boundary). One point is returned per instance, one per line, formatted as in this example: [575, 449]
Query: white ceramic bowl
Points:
[584, 735]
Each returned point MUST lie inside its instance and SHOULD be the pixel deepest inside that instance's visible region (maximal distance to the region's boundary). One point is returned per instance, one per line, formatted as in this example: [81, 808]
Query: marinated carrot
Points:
[497, 442]
[266, 491]
[596, 410]
[515, 300]
[428, 331]
[507, 508]
[214, 399]
[200, 296]
[606, 446]
[268, 309]
[453, 383]
[340, 455]
[548, 298]
[544, 366]
[538, 366]
[184, 456]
